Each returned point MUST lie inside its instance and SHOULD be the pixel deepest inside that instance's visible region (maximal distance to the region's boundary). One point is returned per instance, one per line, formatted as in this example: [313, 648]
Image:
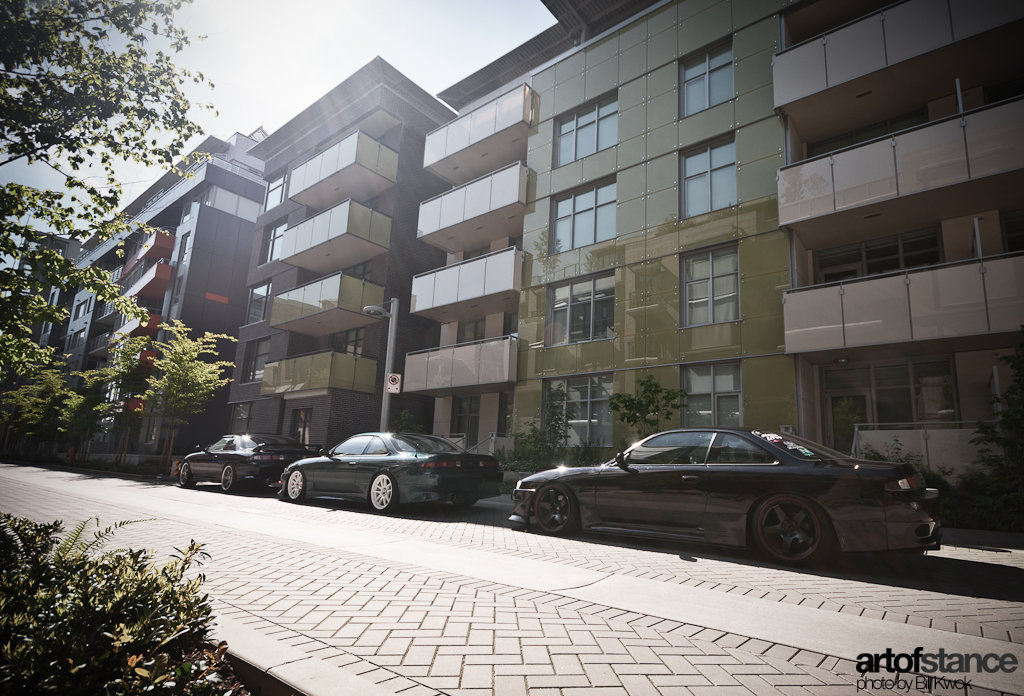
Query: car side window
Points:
[229, 444]
[352, 446]
[733, 449]
[682, 449]
[222, 444]
[376, 446]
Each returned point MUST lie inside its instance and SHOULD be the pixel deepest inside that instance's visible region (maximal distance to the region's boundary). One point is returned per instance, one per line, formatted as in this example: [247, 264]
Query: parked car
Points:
[388, 469]
[792, 499]
[237, 459]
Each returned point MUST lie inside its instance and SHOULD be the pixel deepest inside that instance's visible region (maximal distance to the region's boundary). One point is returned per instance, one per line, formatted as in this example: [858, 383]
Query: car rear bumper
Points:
[912, 521]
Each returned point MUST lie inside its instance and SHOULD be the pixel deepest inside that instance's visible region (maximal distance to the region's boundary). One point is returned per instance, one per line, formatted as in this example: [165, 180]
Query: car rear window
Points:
[800, 447]
[250, 441]
[427, 444]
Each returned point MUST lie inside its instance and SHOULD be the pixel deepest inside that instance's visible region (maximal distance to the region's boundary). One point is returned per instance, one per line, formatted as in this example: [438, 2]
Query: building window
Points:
[256, 360]
[240, 414]
[709, 178]
[301, 424]
[360, 270]
[583, 310]
[585, 403]
[712, 395]
[471, 330]
[867, 133]
[259, 297]
[275, 192]
[711, 287]
[272, 249]
[584, 218]
[80, 308]
[77, 338]
[351, 341]
[1013, 231]
[590, 129]
[907, 250]
[466, 418]
[707, 80]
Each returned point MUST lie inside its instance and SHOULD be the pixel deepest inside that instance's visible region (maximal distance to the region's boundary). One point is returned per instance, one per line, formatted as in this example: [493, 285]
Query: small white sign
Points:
[394, 383]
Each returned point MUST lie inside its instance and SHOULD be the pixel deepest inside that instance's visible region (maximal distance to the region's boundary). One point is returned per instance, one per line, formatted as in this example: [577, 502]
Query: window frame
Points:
[263, 313]
[703, 58]
[252, 359]
[715, 394]
[277, 188]
[606, 426]
[707, 150]
[709, 281]
[237, 418]
[594, 112]
[592, 300]
[599, 208]
[271, 240]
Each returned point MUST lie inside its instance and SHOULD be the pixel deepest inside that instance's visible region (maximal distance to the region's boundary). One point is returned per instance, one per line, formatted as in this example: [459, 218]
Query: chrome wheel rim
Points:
[553, 509]
[381, 492]
[183, 474]
[227, 478]
[790, 530]
[295, 485]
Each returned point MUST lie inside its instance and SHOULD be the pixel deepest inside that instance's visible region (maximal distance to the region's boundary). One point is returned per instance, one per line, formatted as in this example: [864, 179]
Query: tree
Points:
[183, 379]
[645, 410]
[84, 85]
[543, 445]
[39, 405]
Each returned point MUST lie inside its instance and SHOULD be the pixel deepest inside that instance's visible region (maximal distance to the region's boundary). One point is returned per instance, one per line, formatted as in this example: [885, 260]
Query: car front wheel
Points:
[228, 479]
[789, 529]
[383, 493]
[555, 510]
[185, 479]
[295, 486]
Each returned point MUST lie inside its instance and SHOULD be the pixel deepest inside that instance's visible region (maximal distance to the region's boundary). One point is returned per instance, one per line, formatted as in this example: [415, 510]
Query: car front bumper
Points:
[912, 521]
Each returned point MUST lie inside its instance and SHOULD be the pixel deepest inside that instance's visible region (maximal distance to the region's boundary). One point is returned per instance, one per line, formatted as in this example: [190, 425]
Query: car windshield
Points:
[427, 444]
[250, 441]
[800, 447]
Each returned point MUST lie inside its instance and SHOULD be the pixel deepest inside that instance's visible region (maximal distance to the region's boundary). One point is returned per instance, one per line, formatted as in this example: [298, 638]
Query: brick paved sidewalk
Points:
[343, 587]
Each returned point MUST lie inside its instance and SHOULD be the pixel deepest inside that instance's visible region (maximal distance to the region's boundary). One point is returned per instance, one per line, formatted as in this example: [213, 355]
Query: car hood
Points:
[560, 473]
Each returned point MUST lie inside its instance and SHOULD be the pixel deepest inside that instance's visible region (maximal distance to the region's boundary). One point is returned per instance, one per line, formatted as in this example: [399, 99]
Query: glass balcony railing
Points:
[960, 299]
[464, 368]
[482, 140]
[320, 371]
[326, 306]
[944, 153]
[482, 211]
[349, 231]
[98, 344]
[357, 167]
[897, 33]
[471, 289]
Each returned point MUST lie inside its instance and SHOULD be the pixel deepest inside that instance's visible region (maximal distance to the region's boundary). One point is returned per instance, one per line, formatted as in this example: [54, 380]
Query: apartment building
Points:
[782, 208]
[344, 179]
[186, 269]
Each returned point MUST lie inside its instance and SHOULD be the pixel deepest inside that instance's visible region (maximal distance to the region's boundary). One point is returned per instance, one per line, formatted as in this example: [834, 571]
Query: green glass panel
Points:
[764, 254]
[540, 134]
[631, 289]
[717, 226]
[662, 140]
[754, 38]
[758, 215]
[539, 158]
[661, 110]
[663, 80]
[569, 94]
[663, 313]
[710, 342]
[365, 375]
[559, 360]
[630, 216]
[705, 125]
[601, 78]
[529, 397]
[633, 245]
[545, 103]
[663, 207]
[706, 27]
[753, 72]
[595, 356]
[663, 276]
[758, 178]
[380, 229]
[661, 48]
[761, 295]
[632, 151]
[747, 11]
[635, 33]
[569, 67]
[632, 122]
[632, 62]
[598, 257]
[662, 239]
[602, 50]
[689, 8]
[768, 380]
[754, 105]
[543, 80]
[599, 165]
[631, 183]
[387, 165]
[758, 140]
[663, 172]
[566, 177]
[632, 93]
[661, 20]
[763, 334]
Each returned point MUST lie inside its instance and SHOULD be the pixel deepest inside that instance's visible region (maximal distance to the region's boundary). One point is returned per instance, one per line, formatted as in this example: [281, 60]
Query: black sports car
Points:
[386, 469]
[792, 499]
[235, 459]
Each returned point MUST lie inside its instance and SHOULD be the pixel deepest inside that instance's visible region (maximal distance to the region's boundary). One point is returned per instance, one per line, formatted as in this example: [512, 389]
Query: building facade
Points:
[337, 234]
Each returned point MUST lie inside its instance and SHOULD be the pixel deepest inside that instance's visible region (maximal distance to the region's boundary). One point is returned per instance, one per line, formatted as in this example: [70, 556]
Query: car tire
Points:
[228, 479]
[792, 530]
[555, 510]
[464, 503]
[185, 479]
[383, 493]
[295, 486]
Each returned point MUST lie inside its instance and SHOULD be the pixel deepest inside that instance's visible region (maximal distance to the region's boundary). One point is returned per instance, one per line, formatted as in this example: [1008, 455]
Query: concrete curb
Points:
[273, 668]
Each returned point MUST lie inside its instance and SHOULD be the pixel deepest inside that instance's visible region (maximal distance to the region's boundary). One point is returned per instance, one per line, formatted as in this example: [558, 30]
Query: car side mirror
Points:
[622, 460]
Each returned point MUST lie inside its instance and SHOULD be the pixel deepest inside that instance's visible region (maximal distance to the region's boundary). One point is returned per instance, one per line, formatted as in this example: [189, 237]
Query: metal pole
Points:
[389, 362]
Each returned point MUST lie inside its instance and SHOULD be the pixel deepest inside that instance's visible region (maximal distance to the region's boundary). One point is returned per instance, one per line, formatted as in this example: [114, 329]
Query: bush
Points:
[76, 621]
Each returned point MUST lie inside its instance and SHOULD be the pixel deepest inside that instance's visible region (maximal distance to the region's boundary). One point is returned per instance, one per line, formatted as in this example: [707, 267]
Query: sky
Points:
[270, 59]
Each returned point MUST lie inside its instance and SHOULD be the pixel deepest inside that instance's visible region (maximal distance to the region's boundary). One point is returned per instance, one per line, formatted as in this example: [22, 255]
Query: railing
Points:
[941, 446]
[358, 148]
[483, 276]
[472, 365]
[141, 270]
[492, 443]
[98, 343]
[489, 193]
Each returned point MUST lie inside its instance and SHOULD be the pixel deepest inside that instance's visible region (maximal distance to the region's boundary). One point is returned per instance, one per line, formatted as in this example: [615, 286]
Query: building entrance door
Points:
[844, 411]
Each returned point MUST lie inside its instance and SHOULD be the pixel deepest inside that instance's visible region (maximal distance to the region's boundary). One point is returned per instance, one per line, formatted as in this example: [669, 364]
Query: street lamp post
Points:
[391, 314]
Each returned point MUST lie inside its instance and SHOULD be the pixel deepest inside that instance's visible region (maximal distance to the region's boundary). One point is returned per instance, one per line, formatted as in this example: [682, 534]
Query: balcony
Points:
[476, 214]
[347, 234]
[465, 368]
[357, 167]
[320, 371]
[947, 168]
[482, 140]
[942, 445]
[921, 44]
[982, 296]
[98, 345]
[471, 289]
[136, 327]
[159, 245]
[326, 306]
[106, 314]
[149, 278]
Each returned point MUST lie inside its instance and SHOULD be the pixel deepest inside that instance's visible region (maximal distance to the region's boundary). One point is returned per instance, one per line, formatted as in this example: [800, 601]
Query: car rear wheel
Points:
[295, 486]
[789, 529]
[185, 479]
[383, 494]
[555, 510]
[228, 479]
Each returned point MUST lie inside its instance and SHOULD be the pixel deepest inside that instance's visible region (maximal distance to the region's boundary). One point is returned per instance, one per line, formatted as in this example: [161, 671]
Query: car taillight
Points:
[490, 464]
[268, 457]
[439, 464]
[905, 484]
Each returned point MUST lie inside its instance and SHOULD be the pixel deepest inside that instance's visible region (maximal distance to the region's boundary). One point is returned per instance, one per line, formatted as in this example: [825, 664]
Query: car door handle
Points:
[689, 478]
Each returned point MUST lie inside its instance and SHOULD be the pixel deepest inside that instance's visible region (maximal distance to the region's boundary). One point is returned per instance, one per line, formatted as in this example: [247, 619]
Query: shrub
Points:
[77, 621]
